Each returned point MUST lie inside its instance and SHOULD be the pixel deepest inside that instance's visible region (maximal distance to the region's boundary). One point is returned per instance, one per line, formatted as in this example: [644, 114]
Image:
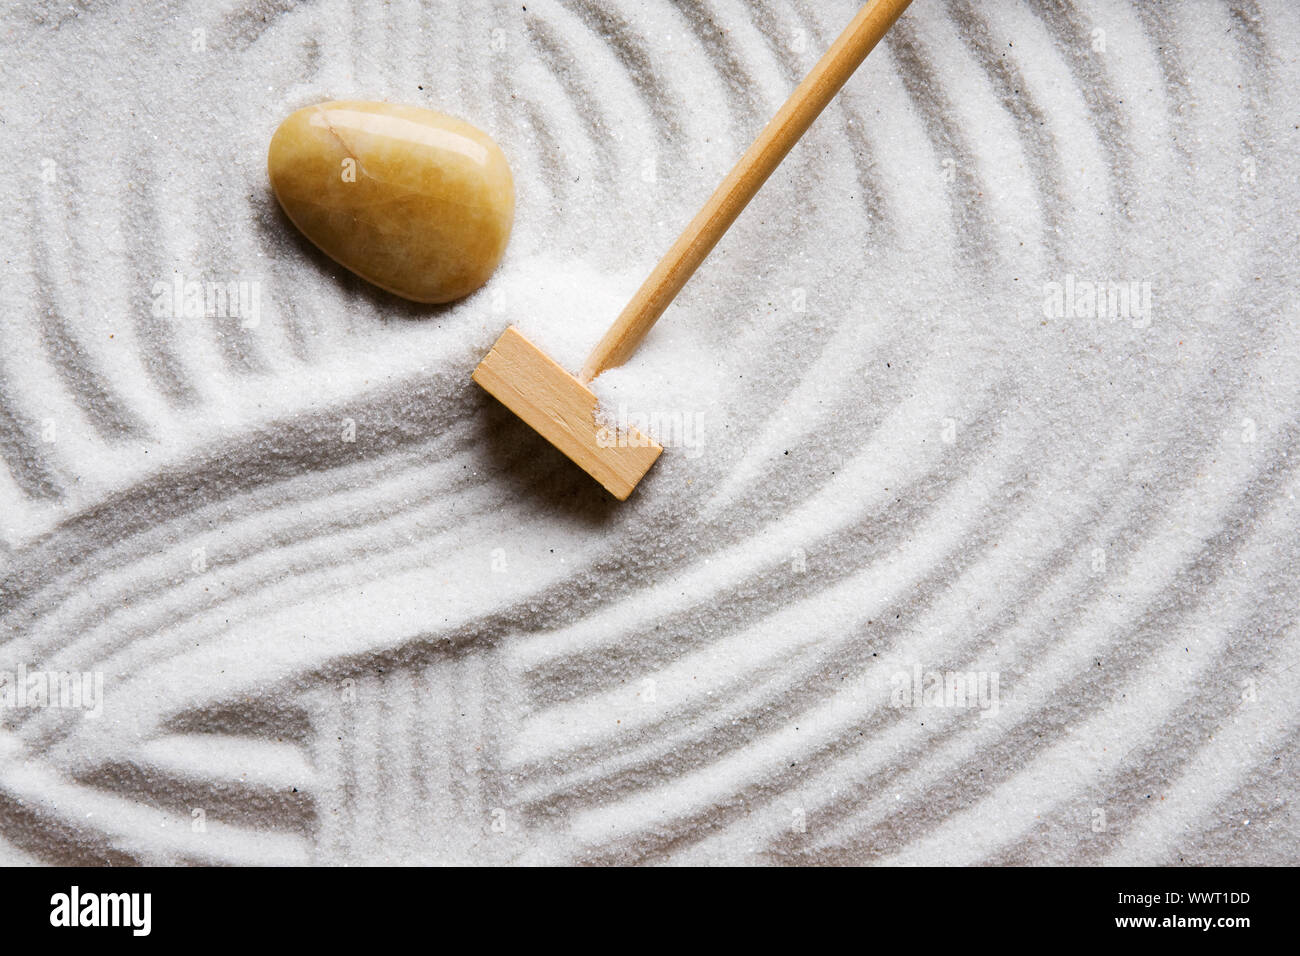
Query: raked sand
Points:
[346, 609]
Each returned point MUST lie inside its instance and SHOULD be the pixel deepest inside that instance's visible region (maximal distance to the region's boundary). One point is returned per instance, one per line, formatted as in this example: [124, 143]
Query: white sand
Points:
[440, 642]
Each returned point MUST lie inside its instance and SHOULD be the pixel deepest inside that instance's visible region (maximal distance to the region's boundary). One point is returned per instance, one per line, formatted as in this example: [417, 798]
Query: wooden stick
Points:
[777, 139]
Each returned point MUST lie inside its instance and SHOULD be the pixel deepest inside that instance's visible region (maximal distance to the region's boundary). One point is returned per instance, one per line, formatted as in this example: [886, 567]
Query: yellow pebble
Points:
[417, 202]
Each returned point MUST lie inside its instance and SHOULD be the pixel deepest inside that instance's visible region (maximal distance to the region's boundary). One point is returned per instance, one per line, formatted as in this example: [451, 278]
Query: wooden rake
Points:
[559, 406]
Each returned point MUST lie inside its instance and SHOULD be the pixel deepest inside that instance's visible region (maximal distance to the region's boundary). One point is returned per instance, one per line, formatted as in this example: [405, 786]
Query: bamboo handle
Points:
[711, 223]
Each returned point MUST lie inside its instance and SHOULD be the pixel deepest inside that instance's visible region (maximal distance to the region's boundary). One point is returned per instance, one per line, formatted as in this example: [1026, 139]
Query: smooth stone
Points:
[417, 202]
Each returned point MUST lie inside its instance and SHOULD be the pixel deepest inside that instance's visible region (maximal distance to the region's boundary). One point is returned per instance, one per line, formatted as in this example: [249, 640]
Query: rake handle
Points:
[759, 162]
